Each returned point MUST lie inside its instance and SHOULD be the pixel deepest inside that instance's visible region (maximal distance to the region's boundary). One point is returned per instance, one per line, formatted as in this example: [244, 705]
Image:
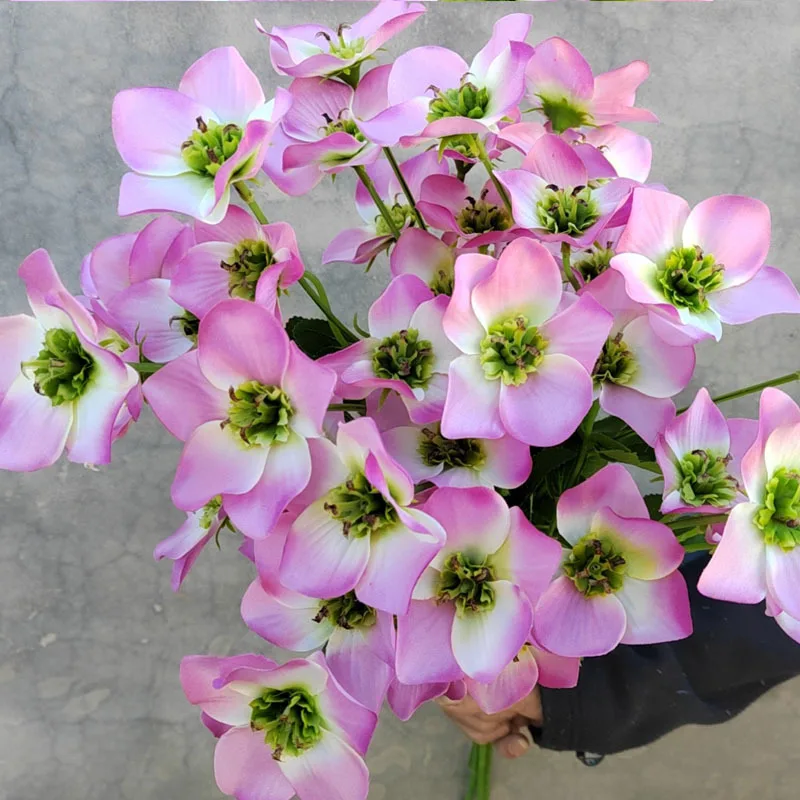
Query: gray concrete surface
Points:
[90, 634]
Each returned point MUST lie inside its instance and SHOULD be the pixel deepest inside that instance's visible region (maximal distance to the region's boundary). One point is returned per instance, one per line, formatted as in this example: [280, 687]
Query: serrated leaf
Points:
[313, 336]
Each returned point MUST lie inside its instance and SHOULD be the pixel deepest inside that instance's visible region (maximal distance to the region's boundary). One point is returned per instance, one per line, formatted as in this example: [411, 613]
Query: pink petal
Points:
[222, 81]
[392, 311]
[640, 284]
[420, 253]
[189, 194]
[402, 444]
[769, 291]
[241, 341]
[569, 624]
[109, 266]
[238, 224]
[648, 416]
[508, 463]
[309, 407]
[735, 230]
[471, 408]
[319, 560]
[737, 571]
[510, 28]
[423, 636]
[286, 474]
[701, 427]
[158, 242]
[199, 282]
[556, 672]
[547, 409]
[237, 467]
[485, 642]
[26, 417]
[611, 487]
[629, 153]
[151, 124]
[505, 80]
[310, 773]
[21, 338]
[656, 611]
[411, 72]
[526, 281]
[557, 68]
[460, 322]
[579, 331]
[404, 700]
[554, 160]
[523, 188]
[656, 223]
[618, 87]
[783, 572]
[511, 686]
[245, 769]
[182, 398]
[400, 120]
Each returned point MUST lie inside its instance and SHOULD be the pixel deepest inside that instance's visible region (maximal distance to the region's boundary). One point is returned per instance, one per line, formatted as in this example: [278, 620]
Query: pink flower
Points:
[185, 545]
[242, 405]
[637, 372]
[560, 84]
[465, 98]
[305, 51]
[359, 641]
[478, 593]
[407, 351]
[360, 245]
[553, 196]
[59, 388]
[359, 531]
[187, 147]
[447, 204]
[619, 581]
[404, 699]
[420, 253]
[528, 349]
[283, 730]
[758, 556]
[697, 269]
[700, 454]
[237, 258]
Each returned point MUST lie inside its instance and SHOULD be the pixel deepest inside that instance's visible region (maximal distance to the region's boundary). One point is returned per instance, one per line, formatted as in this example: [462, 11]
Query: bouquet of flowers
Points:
[445, 501]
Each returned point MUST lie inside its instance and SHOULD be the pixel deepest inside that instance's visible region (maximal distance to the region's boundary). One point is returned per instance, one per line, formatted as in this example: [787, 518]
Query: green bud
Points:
[567, 211]
[362, 509]
[616, 363]
[511, 350]
[466, 101]
[63, 369]
[210, 146]
[687, 276]
[480, 216]
[259, 414]
[705, 481]
[466, 580]
[404, 356]
[290, 719]
[595, 566]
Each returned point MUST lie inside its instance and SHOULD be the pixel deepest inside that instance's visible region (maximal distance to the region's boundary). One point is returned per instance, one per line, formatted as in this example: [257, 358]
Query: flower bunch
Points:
[444, 502]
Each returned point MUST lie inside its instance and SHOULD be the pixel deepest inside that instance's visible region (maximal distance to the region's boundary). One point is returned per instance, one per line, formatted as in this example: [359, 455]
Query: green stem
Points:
[586, 432]
[244, 192]
[145, 368]
[696, 521]
[569, 273]
[404, 186]
[487, 164]
[376, 198]
[757, 387]
[360, 408]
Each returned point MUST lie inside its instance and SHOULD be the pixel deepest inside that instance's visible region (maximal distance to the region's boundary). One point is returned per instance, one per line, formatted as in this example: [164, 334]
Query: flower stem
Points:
[309, 282]
[404, 186]
[757, 387]
[569, 273]
[586, 432]
[244, 192]
[480, 772]
[696, 521]
[373, 193]
[487, 164]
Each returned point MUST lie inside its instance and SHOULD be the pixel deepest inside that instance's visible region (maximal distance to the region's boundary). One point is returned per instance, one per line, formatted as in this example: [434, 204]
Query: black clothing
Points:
[635, 695]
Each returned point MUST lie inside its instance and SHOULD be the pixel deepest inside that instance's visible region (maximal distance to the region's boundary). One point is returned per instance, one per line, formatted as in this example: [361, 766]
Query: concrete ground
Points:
[90, 634]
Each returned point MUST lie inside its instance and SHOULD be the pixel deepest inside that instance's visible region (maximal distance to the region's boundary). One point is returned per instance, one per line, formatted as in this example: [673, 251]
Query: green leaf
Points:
[313, 336]
[653, 503]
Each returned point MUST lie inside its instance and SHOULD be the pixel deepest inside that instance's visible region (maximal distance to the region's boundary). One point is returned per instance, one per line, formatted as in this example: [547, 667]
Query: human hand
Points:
[508, 730]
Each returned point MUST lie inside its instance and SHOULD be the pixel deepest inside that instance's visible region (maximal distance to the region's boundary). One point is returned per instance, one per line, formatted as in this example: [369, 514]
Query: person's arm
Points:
[635, 695]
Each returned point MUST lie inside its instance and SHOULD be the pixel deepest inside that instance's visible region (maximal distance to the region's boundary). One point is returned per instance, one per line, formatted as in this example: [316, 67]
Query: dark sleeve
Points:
[635, 695]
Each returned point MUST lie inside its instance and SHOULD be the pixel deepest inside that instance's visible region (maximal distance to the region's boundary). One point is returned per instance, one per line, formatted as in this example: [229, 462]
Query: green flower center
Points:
[595, 567]
[342, 124]
[616, 363]
[208, 513]
[342, 49]
[595, 263]
[466, 581]
[347, 612]
[779, 517]
[563, 114]
[62, 369]
[705, 480]
[402, 216]
[250, 258]
[569, 211]
[259, 414]
[210, 146]
[435, 449]
[188, 324]
[290, 719]
[479, 216]
[466, 101]
[687, 276]
[443, 280]
[403, 356]
[362, 509]
[511, 350]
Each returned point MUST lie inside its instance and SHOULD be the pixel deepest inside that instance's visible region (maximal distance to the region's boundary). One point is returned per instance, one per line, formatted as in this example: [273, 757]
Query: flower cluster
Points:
[445, 501]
